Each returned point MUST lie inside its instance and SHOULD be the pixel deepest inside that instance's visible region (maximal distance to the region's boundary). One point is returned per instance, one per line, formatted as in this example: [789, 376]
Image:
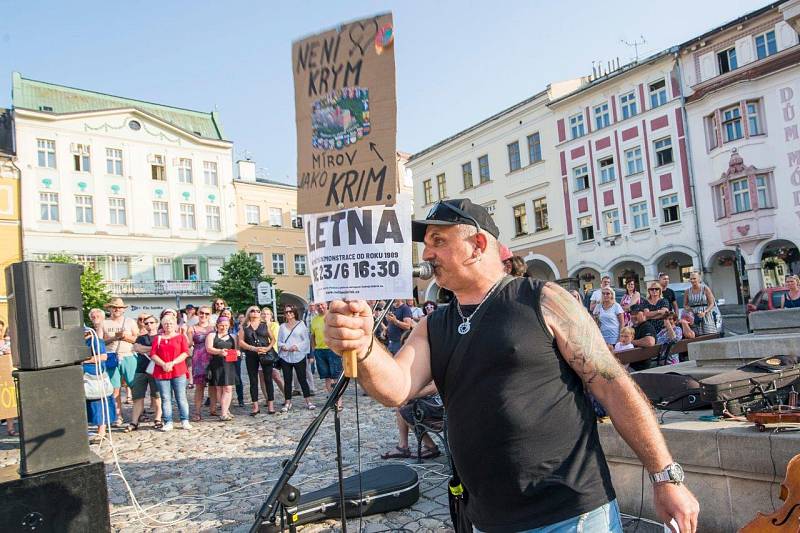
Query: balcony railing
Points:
[159, 288]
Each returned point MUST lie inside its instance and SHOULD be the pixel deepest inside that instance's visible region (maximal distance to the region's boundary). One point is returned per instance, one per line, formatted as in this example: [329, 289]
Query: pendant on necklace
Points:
[463, 328]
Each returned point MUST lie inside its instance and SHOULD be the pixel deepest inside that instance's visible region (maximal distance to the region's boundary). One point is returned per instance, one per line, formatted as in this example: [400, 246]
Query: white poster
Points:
[361, 253]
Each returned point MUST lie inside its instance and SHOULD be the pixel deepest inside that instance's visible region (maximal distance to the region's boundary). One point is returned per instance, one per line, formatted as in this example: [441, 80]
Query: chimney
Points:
[246, 170]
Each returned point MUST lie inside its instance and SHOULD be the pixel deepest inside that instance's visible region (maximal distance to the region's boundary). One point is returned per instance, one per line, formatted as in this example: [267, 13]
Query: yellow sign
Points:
[8, 393]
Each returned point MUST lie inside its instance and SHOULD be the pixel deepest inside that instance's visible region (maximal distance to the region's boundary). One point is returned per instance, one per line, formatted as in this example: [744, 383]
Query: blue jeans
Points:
[604, 519]
[177, 386]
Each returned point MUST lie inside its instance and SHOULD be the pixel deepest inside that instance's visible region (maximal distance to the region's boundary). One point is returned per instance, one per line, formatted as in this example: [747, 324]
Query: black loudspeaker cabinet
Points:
[52, 419]
[72, 500]
[45, 314]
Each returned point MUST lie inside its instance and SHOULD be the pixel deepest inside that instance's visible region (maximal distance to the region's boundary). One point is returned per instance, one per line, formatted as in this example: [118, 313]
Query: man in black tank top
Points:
[512, 361]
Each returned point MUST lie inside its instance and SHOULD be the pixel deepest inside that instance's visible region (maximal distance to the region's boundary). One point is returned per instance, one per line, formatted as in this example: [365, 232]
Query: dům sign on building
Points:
[346, 112]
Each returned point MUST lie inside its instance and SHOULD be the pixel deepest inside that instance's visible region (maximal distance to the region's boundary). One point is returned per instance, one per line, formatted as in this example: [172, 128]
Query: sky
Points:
[458, 62]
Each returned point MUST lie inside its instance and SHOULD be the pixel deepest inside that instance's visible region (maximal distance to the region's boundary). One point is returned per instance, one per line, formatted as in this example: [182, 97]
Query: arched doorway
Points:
[724, 278]
[588, 279]
[287, 298]
[779, 258]
[677, 265]
[538, 269]
[437, 294]
[625, 271]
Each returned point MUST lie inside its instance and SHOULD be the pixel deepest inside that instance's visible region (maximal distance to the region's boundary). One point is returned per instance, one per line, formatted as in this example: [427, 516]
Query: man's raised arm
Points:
[584, 349]
[390, 380]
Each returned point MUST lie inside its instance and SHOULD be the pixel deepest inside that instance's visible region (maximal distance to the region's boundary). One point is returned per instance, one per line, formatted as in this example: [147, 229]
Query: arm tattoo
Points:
[582, 345]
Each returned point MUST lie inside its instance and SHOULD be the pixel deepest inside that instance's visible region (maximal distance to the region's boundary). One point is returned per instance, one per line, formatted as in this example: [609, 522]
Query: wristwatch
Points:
[673, 473]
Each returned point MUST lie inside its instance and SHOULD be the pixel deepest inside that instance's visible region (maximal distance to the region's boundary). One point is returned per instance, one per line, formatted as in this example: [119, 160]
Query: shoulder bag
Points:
[269, 358]
[96, 387]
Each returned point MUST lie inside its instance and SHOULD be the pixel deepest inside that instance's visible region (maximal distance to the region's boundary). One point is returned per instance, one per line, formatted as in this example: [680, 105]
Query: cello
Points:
[787, 518]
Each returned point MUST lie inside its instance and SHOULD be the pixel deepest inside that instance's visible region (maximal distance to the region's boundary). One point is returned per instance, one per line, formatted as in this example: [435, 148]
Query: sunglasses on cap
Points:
[460, 212]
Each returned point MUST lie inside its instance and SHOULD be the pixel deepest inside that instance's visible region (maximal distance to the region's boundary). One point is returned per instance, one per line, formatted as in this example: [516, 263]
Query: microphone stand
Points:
[283, 495]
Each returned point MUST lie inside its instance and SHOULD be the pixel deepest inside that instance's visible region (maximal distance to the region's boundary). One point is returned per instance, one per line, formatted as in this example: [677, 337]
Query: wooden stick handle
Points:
[350, 363]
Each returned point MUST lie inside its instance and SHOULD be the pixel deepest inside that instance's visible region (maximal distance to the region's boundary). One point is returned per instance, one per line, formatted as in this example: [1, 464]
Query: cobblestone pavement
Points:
[215, 476]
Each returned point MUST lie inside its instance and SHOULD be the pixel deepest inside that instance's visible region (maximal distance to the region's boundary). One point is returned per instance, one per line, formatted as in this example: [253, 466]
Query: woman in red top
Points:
[169, 351]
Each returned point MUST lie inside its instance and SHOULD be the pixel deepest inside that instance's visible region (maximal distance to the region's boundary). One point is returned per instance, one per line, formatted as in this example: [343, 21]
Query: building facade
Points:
[10, 227]
[508, 164]
[269, 229]
[625, 179]
[140, 191]
[742, 85]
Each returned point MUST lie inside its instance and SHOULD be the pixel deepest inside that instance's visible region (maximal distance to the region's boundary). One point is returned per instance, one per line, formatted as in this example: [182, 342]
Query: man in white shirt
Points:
[597, 295]
[416, 312]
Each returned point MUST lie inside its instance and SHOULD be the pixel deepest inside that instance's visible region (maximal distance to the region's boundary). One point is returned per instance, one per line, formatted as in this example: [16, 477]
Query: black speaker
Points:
[72, 500]
[52, 418]
[45, 314]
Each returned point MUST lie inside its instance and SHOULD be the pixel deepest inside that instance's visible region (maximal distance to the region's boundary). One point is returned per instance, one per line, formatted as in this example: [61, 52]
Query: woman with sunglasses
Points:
[200, 359]
[221, 345]
[428, 307]
[656, 306]
[277, 375]
[293, 347]
[255, 340]
[142, 380]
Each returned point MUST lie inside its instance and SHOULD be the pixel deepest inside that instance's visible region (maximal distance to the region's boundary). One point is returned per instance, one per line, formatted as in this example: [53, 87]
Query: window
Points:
[427, 189]
[48, 206]
[212, 218]
[116, 211]
[740, 195]
[627, 102]
[46, 153]
[275, 217]
[514, 162]
[754, 117]
[483, 168]
[766, 45]
[82, 158]
[278, 264]
[587, 228]
[639, 216]
[163, 268]
[607, 172]
[160, 214]
[300, 265]
[727, 60]
[114, 161]
[581, 174]
[297, 222]
[732, 123]
[252, 214]
[520, 220]
[576, 125]
[633, 160]
[658, 93]
[669, 208]
[611, 221]
[441, 186]
[84, 210]
[534, 147]
[602, 118]
[185, 170]
[210, 173]
[762, 191]
[187, 216]
[119, 267]
[663, 149]
[466, 172]
[157, 168]
[712, 131]
[540, 214]
[258, 256]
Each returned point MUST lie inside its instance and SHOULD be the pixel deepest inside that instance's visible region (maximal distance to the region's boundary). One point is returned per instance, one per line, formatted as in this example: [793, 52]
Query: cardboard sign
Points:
[346, 113]
[8, 393]
[361, 253]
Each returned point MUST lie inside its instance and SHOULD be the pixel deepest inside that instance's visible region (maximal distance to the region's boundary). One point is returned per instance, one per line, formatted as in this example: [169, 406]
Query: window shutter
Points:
[744, 51]
[177, 268]
[203, 263]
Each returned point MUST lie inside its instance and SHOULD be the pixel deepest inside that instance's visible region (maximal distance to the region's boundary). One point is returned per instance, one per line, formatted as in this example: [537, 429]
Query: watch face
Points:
[676, 472]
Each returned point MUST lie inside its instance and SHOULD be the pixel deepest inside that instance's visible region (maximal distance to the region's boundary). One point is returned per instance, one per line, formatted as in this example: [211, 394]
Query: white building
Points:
[742, 86]
[622, 156]
[141, 191]
[508, 164]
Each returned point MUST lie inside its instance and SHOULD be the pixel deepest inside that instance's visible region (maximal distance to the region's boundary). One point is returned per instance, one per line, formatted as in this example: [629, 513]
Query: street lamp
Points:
[254, 286]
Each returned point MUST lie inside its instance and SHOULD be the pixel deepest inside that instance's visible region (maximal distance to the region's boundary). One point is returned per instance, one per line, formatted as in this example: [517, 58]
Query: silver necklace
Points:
[465, 326]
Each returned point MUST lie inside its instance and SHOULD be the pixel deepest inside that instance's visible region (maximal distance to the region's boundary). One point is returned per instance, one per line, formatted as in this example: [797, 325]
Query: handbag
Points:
[457, 495]
[96, 387]
[269, 358]
[231, 356]
[112, 361]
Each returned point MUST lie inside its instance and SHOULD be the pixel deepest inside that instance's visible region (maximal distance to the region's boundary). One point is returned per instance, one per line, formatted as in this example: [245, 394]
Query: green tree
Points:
[93, 290]
[234, 284]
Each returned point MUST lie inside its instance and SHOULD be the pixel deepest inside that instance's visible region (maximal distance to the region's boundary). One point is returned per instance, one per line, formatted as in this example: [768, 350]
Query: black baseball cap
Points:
[635, 308]
[452, 212]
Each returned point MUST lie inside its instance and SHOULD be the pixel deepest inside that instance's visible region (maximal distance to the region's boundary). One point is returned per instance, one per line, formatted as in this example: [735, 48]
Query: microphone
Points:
[423, 270]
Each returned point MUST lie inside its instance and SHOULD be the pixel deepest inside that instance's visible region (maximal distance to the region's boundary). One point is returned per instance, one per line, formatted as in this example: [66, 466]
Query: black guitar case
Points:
[385, 488]
[756, 385]
[676, 387]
